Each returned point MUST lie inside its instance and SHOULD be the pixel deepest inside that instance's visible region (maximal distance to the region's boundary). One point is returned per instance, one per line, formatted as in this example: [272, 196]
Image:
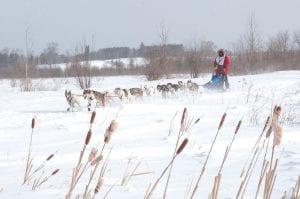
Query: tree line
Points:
[249, 54]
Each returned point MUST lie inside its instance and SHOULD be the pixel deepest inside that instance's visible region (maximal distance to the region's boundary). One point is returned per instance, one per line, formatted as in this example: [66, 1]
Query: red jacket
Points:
[222, 69]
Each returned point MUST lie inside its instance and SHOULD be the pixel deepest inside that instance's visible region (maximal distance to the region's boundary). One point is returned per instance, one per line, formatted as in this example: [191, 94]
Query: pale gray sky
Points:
[129, 22]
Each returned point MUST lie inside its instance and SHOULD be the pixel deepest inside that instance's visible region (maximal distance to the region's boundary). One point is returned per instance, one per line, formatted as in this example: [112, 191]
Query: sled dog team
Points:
[127, 95]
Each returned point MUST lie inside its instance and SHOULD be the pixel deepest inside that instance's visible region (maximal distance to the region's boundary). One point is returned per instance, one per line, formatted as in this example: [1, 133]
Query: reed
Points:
[180, 149]
[39, 181]
[79, 169]
[186, 124]
[215, 190]
[207, 157]
[29, 159]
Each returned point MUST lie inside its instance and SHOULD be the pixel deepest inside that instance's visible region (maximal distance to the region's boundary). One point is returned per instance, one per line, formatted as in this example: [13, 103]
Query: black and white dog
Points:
[163, 89]
[123, 94]
[72, 99]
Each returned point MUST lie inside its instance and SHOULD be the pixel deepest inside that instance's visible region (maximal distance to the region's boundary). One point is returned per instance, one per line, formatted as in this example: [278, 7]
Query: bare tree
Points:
[26, 83]
[81, 67]
[248, 49]
[157, 58]
[198, 57]
[297, 39]
[278, 47]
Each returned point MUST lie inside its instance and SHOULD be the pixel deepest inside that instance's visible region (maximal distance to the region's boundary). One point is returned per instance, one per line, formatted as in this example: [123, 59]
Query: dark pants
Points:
[226, 81]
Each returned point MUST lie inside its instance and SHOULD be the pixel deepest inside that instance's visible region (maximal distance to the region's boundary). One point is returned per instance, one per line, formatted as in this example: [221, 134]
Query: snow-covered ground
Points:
[142, 135]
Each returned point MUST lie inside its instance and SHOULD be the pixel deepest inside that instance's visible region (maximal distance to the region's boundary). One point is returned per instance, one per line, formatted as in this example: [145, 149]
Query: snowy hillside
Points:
[146, 135]
[137, 61]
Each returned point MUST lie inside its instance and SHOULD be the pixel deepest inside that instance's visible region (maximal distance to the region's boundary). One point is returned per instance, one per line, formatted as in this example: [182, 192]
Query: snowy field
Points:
[143, 136]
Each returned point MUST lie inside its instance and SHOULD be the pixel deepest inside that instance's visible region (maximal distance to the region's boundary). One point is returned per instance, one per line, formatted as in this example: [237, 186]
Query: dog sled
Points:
[216, 82]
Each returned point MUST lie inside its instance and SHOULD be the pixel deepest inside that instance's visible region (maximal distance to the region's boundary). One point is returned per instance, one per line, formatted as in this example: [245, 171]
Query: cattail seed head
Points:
[93, 154]
[97, 160]
[32, 123]
[278, 110]
[197, 120]
[93, 117]
[222, 121]
[113, 126]
[55, 172]
[181, 147]
[107, 138]
[110, 130]
[88, 137]
[238, 127]
[184, 116]
[50, 157]
[99, 185]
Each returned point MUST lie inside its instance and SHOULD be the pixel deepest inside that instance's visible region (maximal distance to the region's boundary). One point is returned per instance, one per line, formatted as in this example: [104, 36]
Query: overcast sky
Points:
[112, 23]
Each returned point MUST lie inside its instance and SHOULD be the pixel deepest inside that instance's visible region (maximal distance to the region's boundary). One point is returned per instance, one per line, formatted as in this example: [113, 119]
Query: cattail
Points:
[222, 121]
[113, 126]
[50, 157]
[93, 117]
[184, 116]
[32, 123]
[93, 154]
[97, 160]
[88, 137]
[181, 147]
[107, 138]
[55, 172]
[238, 127]
[276, 126]
[99, 185]
[278, 110]
[110, 130]
[197, 120]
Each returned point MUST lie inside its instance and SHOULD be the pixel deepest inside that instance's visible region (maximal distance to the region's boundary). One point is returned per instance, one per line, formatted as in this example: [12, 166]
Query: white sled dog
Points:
[72, 99]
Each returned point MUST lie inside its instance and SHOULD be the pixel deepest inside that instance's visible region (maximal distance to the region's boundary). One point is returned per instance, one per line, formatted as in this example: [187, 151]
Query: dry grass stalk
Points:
[208, 155]
[270, 178]
[181, 147]
[186, 124]
[29, 158]
[214, 193]
[127, 175]
[40, 181]
[147, 191]
[105, 196]
[296, 190]
[188, 190]
[251, 166]
[172, 123]
[102, 172]
[40, 167]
